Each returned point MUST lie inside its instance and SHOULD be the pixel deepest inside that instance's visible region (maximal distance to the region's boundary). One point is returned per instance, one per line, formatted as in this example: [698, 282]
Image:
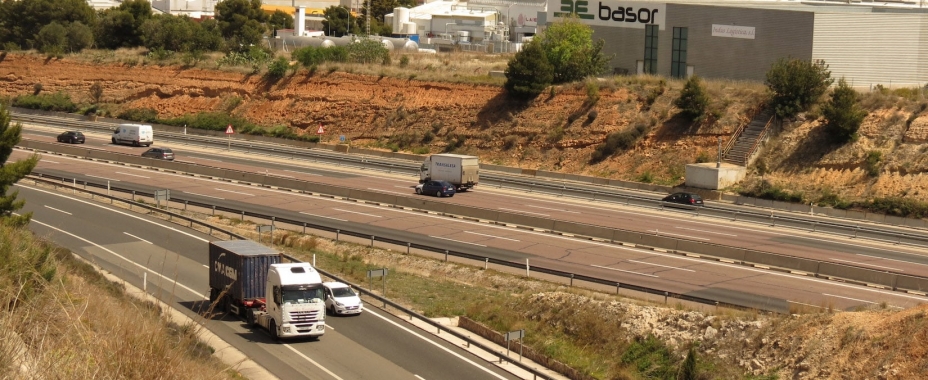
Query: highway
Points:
[173, 259]
[727, 282]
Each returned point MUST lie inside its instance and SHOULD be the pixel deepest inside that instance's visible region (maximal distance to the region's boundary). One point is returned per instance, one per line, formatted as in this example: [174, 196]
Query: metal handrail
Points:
[737, 134]
[760, 137]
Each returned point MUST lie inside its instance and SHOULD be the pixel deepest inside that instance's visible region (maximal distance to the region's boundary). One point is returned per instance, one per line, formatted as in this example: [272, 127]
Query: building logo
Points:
[622, 14]
[578, 7]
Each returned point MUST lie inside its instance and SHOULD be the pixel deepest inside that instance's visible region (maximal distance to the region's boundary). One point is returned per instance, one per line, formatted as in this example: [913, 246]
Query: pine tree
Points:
[529, 72]
[688, 368]
[10, 173]
[693, 99]
[843, 115]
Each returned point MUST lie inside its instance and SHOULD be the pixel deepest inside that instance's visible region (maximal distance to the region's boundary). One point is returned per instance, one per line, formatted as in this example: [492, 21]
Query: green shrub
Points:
[874, 158]
[768, 191]
[646, 177]
[421, 150]
[843, 115]
[650, 356]
[528, 73]
[58, 101]
[703, 157]
[693, 100]
[278, 68]
[146, 115]
[618, 141]
[367, 51]
[899, 206]
[404, 61]
[592, 91]
[796, 84]
[96, 92]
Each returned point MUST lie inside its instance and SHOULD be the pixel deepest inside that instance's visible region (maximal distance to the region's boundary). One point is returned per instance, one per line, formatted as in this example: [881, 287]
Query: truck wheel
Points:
[113, 140]
[273, 327]
[250, 317]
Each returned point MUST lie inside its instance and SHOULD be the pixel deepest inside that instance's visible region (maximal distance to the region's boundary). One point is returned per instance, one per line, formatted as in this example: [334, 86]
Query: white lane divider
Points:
[138, 238]
[355, 212]
[108, 179]
[326, 370]
[323, 216]
[659, 265]
[61, 211]
[487, 235]
[524, 212]
[686, 236]
[869, 265]
[303, 173]
[134, 175]
[457, 241]
[705, 231]
[626, 271]
[554, 209]
[858, 300]
[235, 192]
[202, 195]
[50, 161]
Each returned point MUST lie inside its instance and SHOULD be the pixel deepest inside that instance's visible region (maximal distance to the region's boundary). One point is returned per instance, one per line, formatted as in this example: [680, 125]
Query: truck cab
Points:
[294, 303]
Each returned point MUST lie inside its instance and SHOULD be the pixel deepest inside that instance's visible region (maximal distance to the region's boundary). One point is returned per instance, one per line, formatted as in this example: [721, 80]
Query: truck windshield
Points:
[306, 295]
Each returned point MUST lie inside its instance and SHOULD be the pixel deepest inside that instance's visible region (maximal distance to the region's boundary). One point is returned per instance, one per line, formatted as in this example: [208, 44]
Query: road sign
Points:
[163, 195]
[513, 335]
[229, 130]
[341, 138]
[377, 273]
[320, 130]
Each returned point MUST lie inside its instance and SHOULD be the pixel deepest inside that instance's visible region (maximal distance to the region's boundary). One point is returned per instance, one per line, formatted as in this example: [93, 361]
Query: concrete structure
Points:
[713, 176]
[866, 43]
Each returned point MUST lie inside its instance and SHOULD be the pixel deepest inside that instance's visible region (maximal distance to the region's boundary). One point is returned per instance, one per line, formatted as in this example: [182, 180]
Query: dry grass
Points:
[82, 326]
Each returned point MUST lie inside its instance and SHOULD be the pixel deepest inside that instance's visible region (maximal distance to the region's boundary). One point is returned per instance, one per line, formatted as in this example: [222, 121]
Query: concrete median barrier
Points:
[781, 261]
[878, 218]
[373, 196]
[700, 248]
[864, 275]
[525, 220]
[584, 229]
[209, 171]
[619, 236]
[471, 212]
[918, 284]
[654, 241]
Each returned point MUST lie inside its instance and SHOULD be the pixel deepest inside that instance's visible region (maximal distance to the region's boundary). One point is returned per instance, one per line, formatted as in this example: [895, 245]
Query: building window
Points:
[650, 49]
[678, 57]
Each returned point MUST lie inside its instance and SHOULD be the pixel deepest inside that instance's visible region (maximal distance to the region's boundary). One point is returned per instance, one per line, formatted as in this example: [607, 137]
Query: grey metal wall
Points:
[778, 34]
[873, 48]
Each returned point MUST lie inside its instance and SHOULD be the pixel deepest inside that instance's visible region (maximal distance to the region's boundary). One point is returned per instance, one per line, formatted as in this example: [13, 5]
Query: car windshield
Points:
[342, 292]
[302, 295]
[166, 150]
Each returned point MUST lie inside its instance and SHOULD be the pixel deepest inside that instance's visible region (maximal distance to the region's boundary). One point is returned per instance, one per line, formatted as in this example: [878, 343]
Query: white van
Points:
[134, 134]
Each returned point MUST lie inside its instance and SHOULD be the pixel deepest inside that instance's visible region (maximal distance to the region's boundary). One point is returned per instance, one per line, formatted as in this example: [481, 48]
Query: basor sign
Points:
[733, 31]
[622, 14]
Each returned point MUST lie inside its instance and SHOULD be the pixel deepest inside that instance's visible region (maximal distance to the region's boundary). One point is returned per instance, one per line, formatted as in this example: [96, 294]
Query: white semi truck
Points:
[247, 279]
[459, 170]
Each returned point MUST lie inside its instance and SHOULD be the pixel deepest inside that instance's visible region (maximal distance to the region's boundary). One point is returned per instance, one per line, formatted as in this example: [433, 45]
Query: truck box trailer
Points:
[459, 170]
[249, 280]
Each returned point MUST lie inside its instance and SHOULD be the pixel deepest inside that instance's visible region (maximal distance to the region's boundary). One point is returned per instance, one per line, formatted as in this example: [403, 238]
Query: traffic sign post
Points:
[513, 335]
[263, 228]
[229, 133]
[382, 273]
[162, 195]
[321, 130]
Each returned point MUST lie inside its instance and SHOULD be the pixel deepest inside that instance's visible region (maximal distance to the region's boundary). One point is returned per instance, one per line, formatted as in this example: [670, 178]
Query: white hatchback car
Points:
[341, 300]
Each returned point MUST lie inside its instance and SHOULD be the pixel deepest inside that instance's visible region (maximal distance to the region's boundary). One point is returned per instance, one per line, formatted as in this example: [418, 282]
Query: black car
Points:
[437, 188]
[159, 153]
[73, 137]
[684, 198]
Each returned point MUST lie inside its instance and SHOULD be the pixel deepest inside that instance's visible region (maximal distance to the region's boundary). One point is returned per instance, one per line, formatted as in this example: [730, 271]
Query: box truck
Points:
[461, 171]
[249, 280]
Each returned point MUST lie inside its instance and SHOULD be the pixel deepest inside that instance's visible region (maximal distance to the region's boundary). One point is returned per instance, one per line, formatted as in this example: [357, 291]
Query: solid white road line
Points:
[622, 270]
[883, 258]
[134, 175]
[303, 173]
[202, 195]
[457, 241]
[524, 212]
[235, 192]
[108, 179]
[61, 211]
[492, 236]
[466, 360]
[326, 370]
[704, 231]
[659, 265]
[668, 233]
[554, 209]
[869, 265]
[50, 161]
[860, 300]
[138, 238]
[392, 192]
[322, 216]
[355, 212]
[419, 377]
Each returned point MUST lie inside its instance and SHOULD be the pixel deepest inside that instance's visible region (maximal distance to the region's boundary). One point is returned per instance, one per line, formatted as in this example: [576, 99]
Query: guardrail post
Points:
[773, 220]
[336, 235]
[526, 267]
[486, 262]
[214, 210]
[813, 226]
[446, 255]
[408, 246]
[716, 306]
[665, 298]
[571, 279]
[899, 239]
[372, 240]
[856, 229]
[734, 216]
[304, 228]
[185, 204]
[74, 185]
[108, 189]
[314, 262]
[243, 215]
[133, 195]
[618, 287]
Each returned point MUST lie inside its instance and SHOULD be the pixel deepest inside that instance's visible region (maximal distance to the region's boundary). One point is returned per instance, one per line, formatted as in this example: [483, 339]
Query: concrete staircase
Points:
[747, 139]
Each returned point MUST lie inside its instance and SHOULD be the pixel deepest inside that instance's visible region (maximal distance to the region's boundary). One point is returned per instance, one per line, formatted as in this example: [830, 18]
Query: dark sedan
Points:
[437, 188]
[684, 198]
[73, 137]
[159, 153]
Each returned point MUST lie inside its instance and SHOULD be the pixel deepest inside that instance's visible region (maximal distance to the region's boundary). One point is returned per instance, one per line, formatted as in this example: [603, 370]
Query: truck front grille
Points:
[302, 319]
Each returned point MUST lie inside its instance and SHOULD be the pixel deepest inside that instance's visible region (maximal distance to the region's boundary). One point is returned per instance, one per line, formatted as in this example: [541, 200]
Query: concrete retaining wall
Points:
[868, 276]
